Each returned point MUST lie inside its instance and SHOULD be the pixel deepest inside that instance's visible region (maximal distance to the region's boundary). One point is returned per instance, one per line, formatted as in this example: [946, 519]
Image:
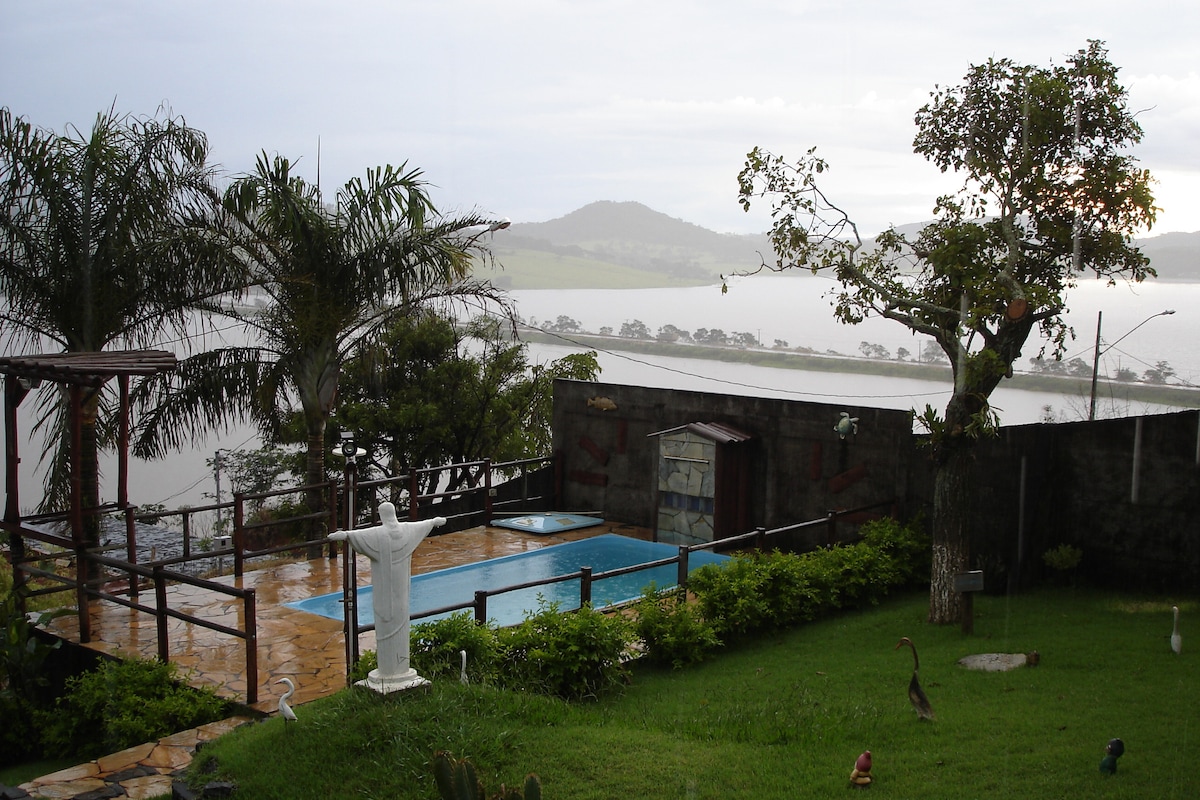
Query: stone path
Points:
[140, 772]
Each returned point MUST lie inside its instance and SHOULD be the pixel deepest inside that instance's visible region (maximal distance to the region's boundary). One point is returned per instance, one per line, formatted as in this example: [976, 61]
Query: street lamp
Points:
[1099, 352]
[498, 225]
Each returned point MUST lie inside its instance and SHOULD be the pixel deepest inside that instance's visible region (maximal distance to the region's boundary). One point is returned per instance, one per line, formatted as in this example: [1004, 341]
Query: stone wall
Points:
[800, 470]
[1124, 491]
[1037, 486]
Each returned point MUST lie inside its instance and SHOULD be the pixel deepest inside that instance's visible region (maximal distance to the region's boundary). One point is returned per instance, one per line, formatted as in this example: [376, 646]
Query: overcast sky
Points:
[530, 109]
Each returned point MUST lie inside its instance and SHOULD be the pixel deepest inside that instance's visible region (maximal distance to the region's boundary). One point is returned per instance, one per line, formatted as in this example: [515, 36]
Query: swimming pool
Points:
[458, 584]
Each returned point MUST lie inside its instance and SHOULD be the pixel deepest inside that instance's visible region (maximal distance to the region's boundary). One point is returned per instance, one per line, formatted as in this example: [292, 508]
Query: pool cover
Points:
[549, 522]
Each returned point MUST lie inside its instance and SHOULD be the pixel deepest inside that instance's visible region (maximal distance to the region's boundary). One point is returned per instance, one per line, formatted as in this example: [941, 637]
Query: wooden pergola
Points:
[83, 374]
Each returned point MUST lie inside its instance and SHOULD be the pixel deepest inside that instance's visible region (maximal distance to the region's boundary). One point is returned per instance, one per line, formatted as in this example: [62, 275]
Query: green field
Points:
[786, 715]
[538, 269]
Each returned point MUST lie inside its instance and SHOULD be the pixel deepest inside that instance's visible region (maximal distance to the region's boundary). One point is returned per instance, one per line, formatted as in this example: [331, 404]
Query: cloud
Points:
[534, 107]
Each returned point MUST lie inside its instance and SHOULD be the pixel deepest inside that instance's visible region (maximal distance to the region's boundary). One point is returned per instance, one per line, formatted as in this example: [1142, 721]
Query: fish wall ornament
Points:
[602, 403]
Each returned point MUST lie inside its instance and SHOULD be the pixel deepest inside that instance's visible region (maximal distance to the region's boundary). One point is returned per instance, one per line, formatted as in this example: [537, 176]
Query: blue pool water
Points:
[459, 584]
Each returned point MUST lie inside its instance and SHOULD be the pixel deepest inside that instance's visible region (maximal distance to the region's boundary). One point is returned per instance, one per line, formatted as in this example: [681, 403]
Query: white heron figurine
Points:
[285, 710]
[1176, 638]
[462, 672]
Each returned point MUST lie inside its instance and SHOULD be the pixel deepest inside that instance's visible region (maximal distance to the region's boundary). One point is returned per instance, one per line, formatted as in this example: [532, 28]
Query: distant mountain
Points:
[1175, 256]
[631, 236]
[628, 245]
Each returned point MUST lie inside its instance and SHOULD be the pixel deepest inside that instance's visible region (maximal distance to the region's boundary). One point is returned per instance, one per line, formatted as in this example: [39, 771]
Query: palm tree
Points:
[332, 277]
[101, 247]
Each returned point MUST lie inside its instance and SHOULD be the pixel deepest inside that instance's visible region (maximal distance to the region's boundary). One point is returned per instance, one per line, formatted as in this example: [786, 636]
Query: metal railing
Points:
[471, 486]
[481, 494]
[157, 575]
[758, 539]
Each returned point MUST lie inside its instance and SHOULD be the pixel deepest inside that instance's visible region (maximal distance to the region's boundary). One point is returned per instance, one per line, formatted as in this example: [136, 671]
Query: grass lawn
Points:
[787, 715]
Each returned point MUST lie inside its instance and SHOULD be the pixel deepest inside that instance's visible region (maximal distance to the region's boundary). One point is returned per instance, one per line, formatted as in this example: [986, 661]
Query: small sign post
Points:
[966, 584]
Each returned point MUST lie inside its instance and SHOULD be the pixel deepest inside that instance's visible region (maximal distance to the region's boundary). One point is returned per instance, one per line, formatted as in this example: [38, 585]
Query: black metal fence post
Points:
[481, 607]
[585, 586]
[160, 600]
[251, 647]
[681, 577]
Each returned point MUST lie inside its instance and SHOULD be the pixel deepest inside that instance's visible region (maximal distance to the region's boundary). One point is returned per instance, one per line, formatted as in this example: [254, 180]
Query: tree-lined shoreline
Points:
[1168, 395]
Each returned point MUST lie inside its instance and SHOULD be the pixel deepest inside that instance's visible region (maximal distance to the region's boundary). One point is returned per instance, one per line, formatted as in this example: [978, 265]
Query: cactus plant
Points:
[457, 780]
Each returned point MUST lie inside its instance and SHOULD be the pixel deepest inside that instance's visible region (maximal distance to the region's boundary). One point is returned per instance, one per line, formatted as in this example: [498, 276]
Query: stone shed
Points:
[703, 490]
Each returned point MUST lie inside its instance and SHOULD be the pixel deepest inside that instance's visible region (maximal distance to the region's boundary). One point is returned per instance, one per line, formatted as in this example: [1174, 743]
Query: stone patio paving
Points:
[307, 648]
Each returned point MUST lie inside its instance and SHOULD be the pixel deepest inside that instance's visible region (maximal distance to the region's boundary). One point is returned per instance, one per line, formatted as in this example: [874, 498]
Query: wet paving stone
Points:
[304, 647]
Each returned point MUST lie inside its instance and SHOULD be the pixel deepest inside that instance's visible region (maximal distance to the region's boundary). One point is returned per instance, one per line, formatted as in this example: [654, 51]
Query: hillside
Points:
[620, 245]
[626, 245]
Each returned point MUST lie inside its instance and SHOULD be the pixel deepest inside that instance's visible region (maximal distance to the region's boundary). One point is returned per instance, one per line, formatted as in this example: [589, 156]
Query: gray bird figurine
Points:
[915, 694]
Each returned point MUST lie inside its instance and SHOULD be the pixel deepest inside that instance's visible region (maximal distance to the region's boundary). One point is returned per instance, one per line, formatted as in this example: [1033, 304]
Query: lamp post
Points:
[498, 225]
[350, 451]
[1099, 352]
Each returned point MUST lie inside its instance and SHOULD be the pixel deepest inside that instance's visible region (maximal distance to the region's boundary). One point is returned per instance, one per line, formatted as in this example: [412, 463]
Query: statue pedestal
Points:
[393, 683]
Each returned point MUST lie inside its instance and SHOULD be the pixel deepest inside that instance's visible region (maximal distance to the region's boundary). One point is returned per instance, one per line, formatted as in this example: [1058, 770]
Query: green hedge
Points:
[582, 654]
[124, 703]
[760, 592]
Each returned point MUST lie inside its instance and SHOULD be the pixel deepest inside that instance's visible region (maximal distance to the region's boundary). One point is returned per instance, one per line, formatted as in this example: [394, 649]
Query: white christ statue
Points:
[390, 547]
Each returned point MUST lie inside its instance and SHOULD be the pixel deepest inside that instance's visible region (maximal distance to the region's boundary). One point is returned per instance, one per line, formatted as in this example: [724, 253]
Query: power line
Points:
[206, 475]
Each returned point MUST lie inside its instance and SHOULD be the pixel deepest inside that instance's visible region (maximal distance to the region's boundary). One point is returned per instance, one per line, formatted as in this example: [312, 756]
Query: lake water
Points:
[794, 309]
[797, 310]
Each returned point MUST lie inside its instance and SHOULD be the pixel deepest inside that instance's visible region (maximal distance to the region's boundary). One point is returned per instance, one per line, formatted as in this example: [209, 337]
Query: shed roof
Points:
[719, 432]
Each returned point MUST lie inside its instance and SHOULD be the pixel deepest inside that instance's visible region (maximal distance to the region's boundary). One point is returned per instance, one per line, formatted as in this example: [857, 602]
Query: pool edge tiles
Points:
[457, 585]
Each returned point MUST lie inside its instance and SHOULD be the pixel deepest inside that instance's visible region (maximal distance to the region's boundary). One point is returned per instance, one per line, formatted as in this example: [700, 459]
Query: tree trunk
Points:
[951, 541]
[316, 498]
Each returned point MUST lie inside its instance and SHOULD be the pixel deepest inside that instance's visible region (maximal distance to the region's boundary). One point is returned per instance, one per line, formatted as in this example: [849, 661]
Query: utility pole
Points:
[1099, 352]
[1095, 367]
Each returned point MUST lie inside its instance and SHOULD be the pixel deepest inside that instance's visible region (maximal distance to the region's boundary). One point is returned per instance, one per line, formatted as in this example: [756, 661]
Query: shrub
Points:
[671, 629]
[765, 591]
[288, 525]
[124, 703]
[793, 592]
[367, 661]
[908, 547]
[1063, 558]
[24, 688]
[573, 656]
[437, 648]
[731, 596]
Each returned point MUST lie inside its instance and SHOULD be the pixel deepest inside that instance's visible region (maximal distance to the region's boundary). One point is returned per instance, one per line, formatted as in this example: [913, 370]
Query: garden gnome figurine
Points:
[861, 774]
[1112, 751]
[390, 547]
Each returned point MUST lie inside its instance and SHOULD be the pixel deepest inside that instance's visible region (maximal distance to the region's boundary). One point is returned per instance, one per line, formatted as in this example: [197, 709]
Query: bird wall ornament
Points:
[285, 710]
[846, 426]
[1176, 638]
[915, 694]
